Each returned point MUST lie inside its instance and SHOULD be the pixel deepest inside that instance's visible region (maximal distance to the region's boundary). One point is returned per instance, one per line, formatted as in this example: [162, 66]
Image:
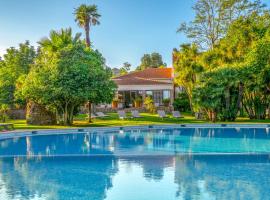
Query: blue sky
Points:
[128, 29]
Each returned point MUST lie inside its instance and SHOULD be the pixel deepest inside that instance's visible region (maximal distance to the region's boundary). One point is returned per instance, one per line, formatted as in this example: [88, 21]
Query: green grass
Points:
[113, 120]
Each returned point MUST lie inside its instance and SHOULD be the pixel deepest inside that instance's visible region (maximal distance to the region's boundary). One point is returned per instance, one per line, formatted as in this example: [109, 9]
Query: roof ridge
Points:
[142, 72]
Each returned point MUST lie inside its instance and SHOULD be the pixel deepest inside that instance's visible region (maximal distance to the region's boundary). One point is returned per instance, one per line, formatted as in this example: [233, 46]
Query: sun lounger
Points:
[92, 116]
[161, 113]
[122, 114]
[176, 114]
[7, 126]
[135, 114]
[101, 114]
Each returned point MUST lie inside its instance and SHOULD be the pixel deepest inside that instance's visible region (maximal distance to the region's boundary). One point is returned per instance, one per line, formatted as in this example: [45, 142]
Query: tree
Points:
[153, 60]
[213, 17]
[219, 93]
[245, 50]
[125, 68]
[85, 16]
[241, 36]
[257, 83]
[16, 63]
[64, 78]
[101, 88]
[58, 40]
[187, 68]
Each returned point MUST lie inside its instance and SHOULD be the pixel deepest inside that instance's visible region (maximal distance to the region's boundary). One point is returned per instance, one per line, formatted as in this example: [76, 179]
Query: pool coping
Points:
[24, 133]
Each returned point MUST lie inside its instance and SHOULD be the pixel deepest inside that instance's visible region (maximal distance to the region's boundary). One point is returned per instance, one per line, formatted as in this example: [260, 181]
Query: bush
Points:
[166, 102]
[4, 108]
[149, 104]
[181, 103]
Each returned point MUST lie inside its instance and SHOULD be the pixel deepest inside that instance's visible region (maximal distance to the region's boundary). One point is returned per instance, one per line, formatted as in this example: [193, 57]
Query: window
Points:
[166, 94]
[149, 93]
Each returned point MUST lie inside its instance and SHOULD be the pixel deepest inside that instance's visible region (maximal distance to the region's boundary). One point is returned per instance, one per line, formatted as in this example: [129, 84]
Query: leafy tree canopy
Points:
[153, 60]
[213, 17]
[16, 63]
[85, 16]
[242, 35]
[125, 68]
[67, 76]
[187, 67]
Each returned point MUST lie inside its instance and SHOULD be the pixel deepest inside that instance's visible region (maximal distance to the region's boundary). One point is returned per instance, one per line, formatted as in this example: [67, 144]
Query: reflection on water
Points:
[138, 142]
[138, 165]
[141, 177]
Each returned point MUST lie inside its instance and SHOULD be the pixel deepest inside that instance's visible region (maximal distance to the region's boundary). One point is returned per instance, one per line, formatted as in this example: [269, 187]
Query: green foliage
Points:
[242, 35]
[235, 70]
[166, 101]
[187, 67]
[181, 103]
[257, 72]
[149, 104]
[213, 17]
[125, 68]
[153, 60]
[16, 63]
[219, 93]
[4, 108]
[67, 76]
[86, 15]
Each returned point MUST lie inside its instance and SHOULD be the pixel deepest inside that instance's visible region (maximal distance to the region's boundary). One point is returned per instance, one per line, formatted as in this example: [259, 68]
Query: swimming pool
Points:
[137, 163]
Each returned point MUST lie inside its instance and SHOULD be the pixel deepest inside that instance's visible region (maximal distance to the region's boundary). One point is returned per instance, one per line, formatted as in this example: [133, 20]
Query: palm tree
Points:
[59, 39]
[85, 16]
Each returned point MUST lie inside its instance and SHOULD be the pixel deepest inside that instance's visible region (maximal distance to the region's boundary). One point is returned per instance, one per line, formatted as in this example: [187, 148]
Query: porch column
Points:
[172, 96]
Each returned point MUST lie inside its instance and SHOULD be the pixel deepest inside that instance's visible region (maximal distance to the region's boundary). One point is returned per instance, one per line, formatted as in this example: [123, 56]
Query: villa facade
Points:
[155, 82]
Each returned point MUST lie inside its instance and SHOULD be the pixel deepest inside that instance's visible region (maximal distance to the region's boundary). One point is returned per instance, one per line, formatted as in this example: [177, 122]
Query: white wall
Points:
[145, 87]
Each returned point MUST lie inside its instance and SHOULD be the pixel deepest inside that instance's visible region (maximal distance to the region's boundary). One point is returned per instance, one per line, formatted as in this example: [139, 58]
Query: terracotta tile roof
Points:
[151, 76]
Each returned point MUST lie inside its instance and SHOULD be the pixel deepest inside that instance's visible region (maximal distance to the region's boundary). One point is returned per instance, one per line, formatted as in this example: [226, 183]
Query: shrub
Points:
[149, 104]
[4, 108]
[181, 103]
[166, 102]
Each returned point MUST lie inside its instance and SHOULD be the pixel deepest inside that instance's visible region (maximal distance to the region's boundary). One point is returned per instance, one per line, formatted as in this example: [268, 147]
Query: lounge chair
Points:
[122, 114]
[7, 126]
[101, 114]
[135, 114]
[161, 114]
[176, 114]
[92, 116]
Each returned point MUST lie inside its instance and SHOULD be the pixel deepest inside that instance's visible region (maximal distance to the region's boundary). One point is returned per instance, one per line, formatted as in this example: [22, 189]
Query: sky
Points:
[128, 29]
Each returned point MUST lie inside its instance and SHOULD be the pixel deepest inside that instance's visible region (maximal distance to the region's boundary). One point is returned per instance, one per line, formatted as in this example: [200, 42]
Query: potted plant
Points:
[115, 103]
[138, 102]
[166, 102]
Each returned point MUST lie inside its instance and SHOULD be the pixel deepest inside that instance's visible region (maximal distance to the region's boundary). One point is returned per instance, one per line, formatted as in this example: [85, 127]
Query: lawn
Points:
[113, 120]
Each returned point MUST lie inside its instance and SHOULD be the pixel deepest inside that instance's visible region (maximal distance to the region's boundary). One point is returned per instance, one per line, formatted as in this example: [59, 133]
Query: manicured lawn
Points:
[113, 120]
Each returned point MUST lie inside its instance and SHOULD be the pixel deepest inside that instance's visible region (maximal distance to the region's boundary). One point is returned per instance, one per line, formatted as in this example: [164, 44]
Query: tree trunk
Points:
[190, 101]
[87, 34]
[66, 114]
[239, 99]
[89, 112]
[70, 115]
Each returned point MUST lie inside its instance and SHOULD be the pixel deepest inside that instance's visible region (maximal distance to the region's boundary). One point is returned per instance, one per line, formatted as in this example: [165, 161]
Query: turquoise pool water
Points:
[158, 164]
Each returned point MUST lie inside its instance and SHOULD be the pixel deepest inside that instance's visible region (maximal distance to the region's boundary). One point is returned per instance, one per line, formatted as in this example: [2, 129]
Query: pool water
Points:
[142, 164]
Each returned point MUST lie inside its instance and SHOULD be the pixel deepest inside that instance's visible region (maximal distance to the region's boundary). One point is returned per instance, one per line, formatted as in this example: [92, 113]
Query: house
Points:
[156, 82]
